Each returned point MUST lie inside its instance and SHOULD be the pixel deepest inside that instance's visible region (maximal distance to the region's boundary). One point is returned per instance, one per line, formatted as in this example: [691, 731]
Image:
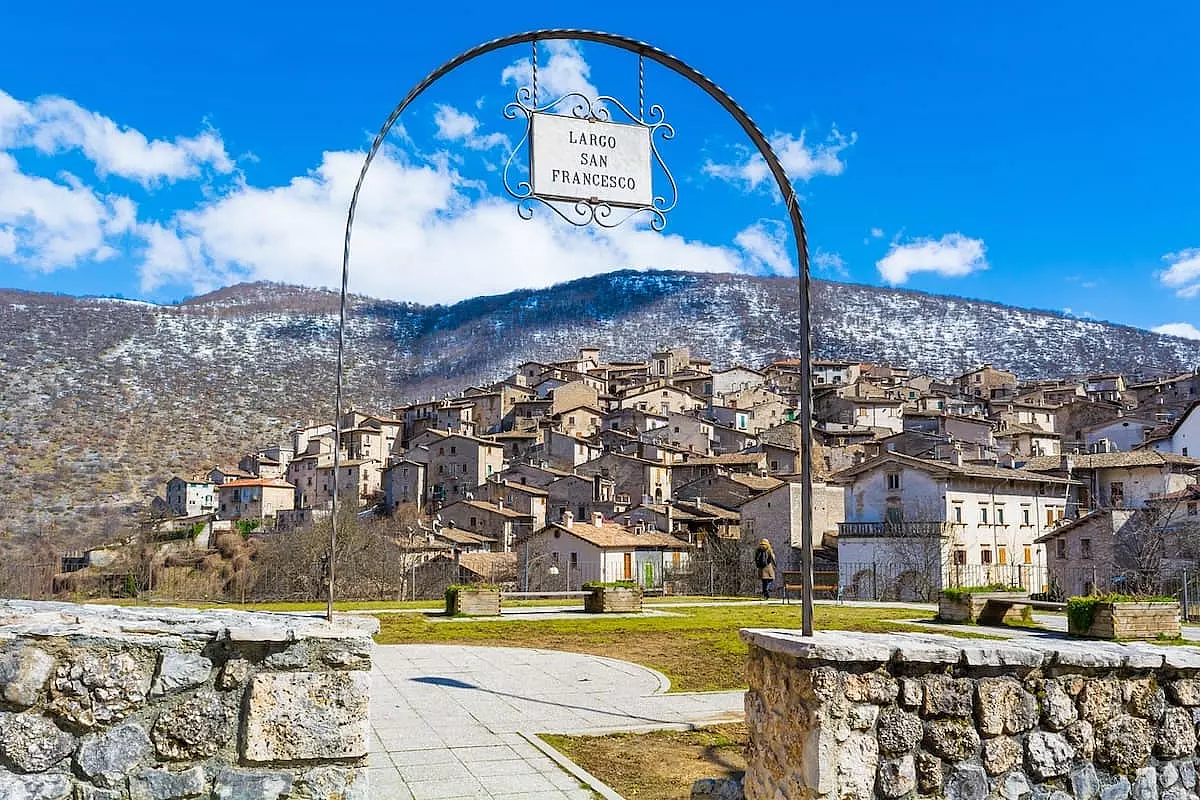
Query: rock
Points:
[1145, 784]
[1187, 772]
[1123, 743]
[1117, 790]
[347, 659]
[160, 784]
[1185, 691]
[178, 671]
[1175, 793]
[929, 773]
[897, 777]
[827, 684]
[51, 786]
[1001, 754]
[85, 791]
[31, 743]
[249, 785]
[235, 673]
[966, 782]
[952, 739]
[196, 728]
[341, 783]
[1003, 706]
[1176, 736]
[857, 763]
[1049, 754]
[1145, 698]
[23, 675]
[862, 717]
[911, 693]
[898, 731]
[1080, 735]
[1015, 786]
[871, 687]
[1168, 775]
[295, 657]
[300, 716]
[105, 757]
[703, 789]
[96, 689]
[1085, 783]
[1100, 700]
[1058, 708]
[948, 697]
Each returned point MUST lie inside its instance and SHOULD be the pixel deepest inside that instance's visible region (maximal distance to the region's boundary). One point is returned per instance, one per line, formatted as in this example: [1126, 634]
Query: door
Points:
[629, 566]
[648, 570]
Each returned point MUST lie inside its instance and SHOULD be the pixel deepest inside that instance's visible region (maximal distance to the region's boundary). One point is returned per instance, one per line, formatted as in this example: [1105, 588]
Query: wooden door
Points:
[628, 566]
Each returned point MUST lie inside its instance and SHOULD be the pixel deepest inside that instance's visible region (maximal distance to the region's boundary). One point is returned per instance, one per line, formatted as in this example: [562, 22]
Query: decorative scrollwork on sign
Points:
[577, 211]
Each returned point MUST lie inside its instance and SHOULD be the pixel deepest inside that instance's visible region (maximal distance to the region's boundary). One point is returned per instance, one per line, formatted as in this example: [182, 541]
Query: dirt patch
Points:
[660, 765]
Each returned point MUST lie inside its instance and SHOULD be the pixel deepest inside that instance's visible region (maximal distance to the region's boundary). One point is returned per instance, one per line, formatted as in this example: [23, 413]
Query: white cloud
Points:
[765, 245]
[564, 71]
[1182, 273]
[55, 125]
[876, 233]
[801, 161]
[51, 224]
[830, 264]
[952, 256]
[458, 126]
[1185, 329]
[421, 233]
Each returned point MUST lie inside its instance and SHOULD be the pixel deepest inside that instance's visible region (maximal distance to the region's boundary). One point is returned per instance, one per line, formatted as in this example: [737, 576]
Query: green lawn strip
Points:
[697, 647]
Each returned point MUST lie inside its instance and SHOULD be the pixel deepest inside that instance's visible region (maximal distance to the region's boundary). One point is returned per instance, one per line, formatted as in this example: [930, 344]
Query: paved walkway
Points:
[454, 722]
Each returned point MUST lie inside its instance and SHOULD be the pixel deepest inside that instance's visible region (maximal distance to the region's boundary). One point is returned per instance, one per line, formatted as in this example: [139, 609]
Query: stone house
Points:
[1081, 554]
[580, 421]
[254, 499]
[574, 394]
[405, 483]
[775, 515]
[735, 379]
[662, 400]
[1017, 413]
[872, 411]
[190, 497]
[962, 429]
[528, 500]
[1121, 434]
[458, 464]
[984, 381]
[1182, 437]
[725, 490]
[457, 416]
[1026, 441]
[635, 479]
[598, 550]
[743, 463]
[1120, 480]
[566, 451]
[492, 520]
[584, 496]
[730, 439]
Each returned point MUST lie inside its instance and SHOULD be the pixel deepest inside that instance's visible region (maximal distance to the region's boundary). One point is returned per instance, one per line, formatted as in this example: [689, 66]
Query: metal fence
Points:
[921, 583]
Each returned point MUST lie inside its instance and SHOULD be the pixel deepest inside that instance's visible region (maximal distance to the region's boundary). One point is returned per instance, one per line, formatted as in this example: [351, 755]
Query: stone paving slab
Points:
[451, 721]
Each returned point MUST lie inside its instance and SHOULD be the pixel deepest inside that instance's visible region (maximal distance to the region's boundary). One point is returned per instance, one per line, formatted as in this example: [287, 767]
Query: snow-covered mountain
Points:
[101, 400]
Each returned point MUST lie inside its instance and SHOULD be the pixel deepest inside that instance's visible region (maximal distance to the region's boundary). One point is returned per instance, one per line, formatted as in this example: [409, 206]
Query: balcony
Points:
[894, 530]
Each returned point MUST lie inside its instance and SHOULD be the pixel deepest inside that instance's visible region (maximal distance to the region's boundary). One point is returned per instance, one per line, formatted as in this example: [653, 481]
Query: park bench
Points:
[991, 608]
[826, 582]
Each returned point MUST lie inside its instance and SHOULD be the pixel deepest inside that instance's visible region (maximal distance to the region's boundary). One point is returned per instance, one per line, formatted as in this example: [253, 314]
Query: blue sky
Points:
[1042, 155]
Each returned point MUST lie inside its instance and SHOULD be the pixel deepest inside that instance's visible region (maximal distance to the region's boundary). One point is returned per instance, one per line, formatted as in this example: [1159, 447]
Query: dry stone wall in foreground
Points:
[106, 703]
[854, 716]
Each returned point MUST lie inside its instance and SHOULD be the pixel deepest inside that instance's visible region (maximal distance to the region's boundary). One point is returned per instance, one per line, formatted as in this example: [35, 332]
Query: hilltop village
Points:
[646, 470]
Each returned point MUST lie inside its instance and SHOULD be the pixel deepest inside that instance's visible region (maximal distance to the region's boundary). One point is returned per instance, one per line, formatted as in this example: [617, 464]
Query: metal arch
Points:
[643, 50]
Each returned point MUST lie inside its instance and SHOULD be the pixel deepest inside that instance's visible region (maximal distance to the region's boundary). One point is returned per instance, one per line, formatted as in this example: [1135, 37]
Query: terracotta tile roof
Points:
[265, 482]
[610, 534]
[755, 482]
[490, 565]
[1134, 458]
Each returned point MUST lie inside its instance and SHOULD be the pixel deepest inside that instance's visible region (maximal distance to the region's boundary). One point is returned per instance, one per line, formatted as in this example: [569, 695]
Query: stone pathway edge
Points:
[579, 773]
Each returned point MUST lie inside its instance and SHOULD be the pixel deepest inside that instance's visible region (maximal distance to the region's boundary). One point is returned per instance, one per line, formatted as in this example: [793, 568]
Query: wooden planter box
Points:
[476, 603]
[1005, 607]
[612, 599]
[1131, 621]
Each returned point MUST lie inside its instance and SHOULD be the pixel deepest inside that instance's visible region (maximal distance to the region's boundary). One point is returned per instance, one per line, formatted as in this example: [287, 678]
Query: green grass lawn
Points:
[399, 605]
[698, 648]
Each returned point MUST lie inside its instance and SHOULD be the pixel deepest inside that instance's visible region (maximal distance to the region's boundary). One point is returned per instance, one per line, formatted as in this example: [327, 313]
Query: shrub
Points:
[1081, 610]
[960, 593]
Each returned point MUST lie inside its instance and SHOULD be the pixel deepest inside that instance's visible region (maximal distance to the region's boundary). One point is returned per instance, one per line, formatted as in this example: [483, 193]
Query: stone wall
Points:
[844, 715]
[106, 703]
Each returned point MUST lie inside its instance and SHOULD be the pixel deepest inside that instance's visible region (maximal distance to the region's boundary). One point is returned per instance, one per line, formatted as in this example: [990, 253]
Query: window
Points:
[1085, 548]
[574, 560]
[960, 557]
[1028, 554]
[1025, 517]
[1000, 518]
[957, 511]
[1192, 509]
[985, 555]
[453, 449]
[1116, 494]
[1060, 548]
[983, 516]
[1002, 554]
[893, 481]
[1184, 452]
[1050, 519]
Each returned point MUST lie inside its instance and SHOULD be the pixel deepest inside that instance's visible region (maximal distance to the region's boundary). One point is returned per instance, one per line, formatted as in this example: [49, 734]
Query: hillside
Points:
[102, 400]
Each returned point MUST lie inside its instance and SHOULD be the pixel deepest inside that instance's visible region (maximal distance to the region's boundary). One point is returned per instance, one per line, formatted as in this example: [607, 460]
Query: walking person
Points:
[764, 559]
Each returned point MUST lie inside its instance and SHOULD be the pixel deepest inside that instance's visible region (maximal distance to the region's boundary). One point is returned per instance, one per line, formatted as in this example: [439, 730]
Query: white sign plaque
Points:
[578, 159]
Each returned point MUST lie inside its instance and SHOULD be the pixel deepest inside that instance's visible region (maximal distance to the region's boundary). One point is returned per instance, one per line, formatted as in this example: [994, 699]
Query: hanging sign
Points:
[584, 166]
[590, 161]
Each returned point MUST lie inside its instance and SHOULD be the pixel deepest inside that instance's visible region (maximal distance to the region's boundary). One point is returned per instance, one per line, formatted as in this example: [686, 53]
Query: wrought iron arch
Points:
[764, 148]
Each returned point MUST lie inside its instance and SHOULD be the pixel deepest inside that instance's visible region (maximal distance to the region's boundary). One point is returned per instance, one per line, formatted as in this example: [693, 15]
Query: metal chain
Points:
[533, 44]
[641, 87]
